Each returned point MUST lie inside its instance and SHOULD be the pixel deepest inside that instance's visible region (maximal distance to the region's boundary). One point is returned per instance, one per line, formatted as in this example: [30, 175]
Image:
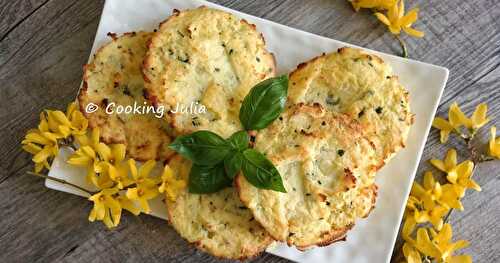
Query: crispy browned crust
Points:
[343, 50]
[304, 64]
[273, 57]
[83, 90]
[374, 189]
[243, 21]
[242, 258]
[349, 179]
[335, 235]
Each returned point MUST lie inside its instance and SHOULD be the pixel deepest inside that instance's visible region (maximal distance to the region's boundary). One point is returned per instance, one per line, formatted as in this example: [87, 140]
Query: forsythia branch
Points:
[403, 46]
[61, 181]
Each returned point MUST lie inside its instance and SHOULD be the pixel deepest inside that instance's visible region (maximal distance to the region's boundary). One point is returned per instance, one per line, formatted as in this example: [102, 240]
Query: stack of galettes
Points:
[346, 116]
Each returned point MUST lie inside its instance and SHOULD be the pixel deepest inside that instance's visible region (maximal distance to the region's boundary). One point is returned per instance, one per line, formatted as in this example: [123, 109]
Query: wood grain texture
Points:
[44, 43]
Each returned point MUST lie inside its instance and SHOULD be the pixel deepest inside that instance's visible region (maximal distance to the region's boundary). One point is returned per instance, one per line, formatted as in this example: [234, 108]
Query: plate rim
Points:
[443, 73]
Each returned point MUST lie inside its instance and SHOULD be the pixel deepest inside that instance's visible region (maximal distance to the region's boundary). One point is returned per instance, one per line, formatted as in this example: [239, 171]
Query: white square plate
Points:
[372, 239]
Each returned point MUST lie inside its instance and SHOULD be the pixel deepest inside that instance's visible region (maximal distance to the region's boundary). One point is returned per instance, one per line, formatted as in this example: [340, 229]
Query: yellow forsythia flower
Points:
[408, 227]
[412, 205]
[115, 166]
[377, 4]
[433, 214]
[459, 175]
[119, 174]
[450, 197]
[479, 118]
[425, 245]
[396, 20]
[170, 185]
[103, 151]
[90, 139]
[423, 209]
[457, 118]
[442, 240]
[79, 123]
[86, 157]
[58, 123]
[93, 155]
[42, 144]
[448, 165]
[146, 186]
[411, 253]
[106, 207]
[439, 247]
[433, 191]
[494, 144]
[128, 205]
[54, 125]
[445, 128]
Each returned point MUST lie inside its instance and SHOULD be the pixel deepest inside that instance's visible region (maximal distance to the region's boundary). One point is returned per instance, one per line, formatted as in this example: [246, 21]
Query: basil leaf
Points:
[265, 102]
[206, 179]
[202, 147]
[239, 140]
[260, 172]
[233, 164]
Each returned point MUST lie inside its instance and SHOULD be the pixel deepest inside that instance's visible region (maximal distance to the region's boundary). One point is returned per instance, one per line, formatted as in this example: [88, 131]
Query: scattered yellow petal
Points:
[396, 20]
[413, 32]
[494, 143]
[383, 18]
[457, 117]
[450, 160]
[376, 4]
[479, 118]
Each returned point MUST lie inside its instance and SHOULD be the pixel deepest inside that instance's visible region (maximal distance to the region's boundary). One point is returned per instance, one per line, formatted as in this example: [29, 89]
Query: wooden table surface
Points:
[44, 43]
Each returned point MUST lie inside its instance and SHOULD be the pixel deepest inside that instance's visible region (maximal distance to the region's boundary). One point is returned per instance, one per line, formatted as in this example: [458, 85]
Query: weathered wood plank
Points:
[43, 72]
[13, 13]
[44, 44]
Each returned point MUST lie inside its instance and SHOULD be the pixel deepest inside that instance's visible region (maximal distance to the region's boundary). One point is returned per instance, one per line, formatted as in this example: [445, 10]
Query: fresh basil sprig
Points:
[239, 140]
[265, 102]
[216, 161]
[233, 164]
[206, 179]
[260, 172]
[202, 147]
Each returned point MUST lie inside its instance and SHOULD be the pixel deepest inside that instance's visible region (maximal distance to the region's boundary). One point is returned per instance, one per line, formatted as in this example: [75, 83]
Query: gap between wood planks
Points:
[22, 20]
[460, 91]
